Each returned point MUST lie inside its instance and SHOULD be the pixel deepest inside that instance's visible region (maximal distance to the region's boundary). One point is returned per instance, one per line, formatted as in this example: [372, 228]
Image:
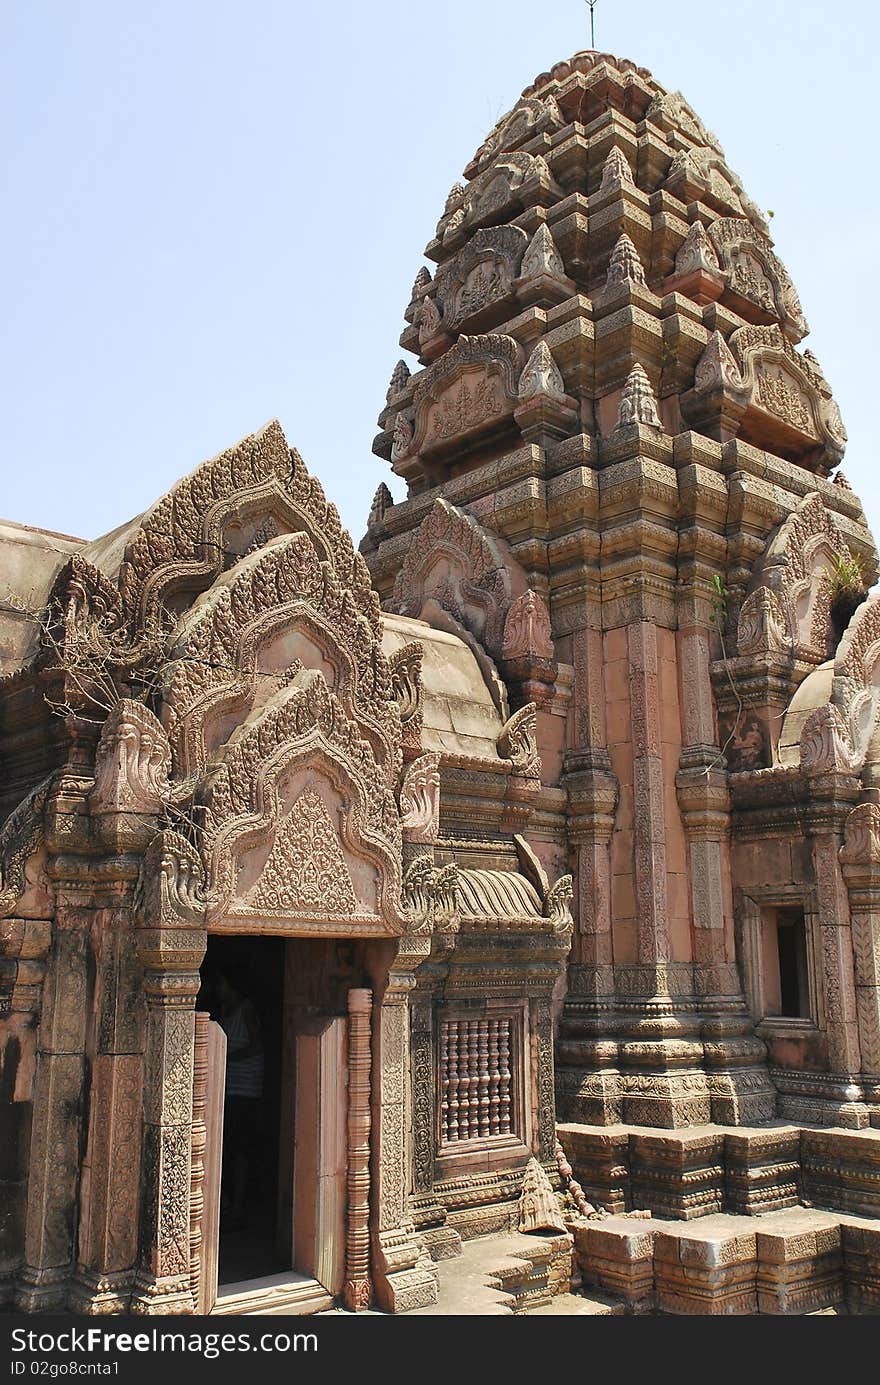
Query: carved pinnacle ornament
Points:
[538, 1204]
[382, 501]
[615, 171]
[542, 256]
[421, 283]
[637, 403]
[696, 252]
[399, 376]
[625, 264]
[541, 375]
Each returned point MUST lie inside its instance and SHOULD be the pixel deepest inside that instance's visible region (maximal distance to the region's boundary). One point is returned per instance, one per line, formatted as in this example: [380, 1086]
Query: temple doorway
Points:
[280, 1170]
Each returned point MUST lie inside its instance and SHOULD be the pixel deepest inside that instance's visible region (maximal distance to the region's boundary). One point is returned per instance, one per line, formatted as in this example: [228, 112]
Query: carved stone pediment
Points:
[511, 182]
[788, 390]
[281, 609]
[471, 390]
[479, 278]
[454, 561]
[21, 838]
[522, 123]
[756, 274]
[187, 538]
[302, 742]
[858, 654]
[790, 609]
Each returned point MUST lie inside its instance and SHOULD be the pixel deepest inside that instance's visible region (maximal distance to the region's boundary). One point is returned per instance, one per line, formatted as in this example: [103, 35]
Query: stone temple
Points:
[521, 869]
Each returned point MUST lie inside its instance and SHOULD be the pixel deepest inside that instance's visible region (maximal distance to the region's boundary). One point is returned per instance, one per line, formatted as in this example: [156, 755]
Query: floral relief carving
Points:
[306, 870]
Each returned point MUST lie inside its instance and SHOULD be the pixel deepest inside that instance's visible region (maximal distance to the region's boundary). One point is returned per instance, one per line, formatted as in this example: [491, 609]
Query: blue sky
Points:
[215, 212]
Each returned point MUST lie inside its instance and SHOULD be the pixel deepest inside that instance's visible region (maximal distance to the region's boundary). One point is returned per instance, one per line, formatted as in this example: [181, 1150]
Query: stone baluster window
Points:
[476, 1079]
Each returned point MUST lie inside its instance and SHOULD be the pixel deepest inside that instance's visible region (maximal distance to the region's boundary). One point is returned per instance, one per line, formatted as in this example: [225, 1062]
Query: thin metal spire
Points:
[592, 4]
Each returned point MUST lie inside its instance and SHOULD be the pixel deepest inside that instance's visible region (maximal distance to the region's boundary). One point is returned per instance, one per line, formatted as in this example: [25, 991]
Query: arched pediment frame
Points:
[786, 391]
[211, 516]
[300, 744]
[858, 654]
[283, 609]
[789, 607]
[455, 563]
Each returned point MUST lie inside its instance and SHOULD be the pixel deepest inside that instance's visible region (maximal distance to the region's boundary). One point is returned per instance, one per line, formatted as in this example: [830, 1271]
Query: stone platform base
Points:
[796, 1261]
[704, 1170]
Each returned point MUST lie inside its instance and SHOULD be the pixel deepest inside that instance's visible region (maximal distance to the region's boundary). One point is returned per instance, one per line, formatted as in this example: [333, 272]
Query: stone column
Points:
[649, 818]
[171, 943]
[110, 1190]
[59, 1103]
[358, 1288]
[836, 941]
[24, 945]
[403, 1276]
[860, 859]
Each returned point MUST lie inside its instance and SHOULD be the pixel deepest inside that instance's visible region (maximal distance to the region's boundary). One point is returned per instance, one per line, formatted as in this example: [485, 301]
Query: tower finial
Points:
[592, 4]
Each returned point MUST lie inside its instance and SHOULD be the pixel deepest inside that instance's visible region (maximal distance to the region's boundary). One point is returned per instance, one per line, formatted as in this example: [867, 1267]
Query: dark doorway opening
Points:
[242, 989]
[791, 941]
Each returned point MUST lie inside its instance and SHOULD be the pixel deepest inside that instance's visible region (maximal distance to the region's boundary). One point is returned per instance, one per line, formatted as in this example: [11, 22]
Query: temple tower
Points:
[610, 396]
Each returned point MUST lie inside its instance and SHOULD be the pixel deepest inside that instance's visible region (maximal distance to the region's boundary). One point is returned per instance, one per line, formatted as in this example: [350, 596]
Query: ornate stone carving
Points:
[431, 897]
[756, 273]
[696, 252]
[520, 124]
[456, 563]
[472, 385]
[402, 436]
[481, 274]
[358, 1288]
[20, 838]
[637, 402]
[171, 885]
[795, 568]
[476, 1079]
[527, 629]
[541, 375]
[557, 904]
[615, 172]
[242, 798]
[625, 264]
[217, 665]
[858, 654]
[306, 870]
[180, 542]
[542, 256]
[835, 739]
[862, 836]
[717, 369]
[518, 741]
[382, 502]
[538, 1208]
[133, 762]
[420, 800]
[761, 625]
[399, 378]
[430, 320]
[405, 668]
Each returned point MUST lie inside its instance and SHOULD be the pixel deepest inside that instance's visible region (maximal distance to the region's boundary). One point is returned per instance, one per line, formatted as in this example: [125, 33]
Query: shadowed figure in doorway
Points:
[244, 1113]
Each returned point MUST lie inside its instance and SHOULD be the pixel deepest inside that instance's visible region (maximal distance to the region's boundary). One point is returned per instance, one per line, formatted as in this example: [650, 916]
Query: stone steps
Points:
[502, 1274]
[792, 1261]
